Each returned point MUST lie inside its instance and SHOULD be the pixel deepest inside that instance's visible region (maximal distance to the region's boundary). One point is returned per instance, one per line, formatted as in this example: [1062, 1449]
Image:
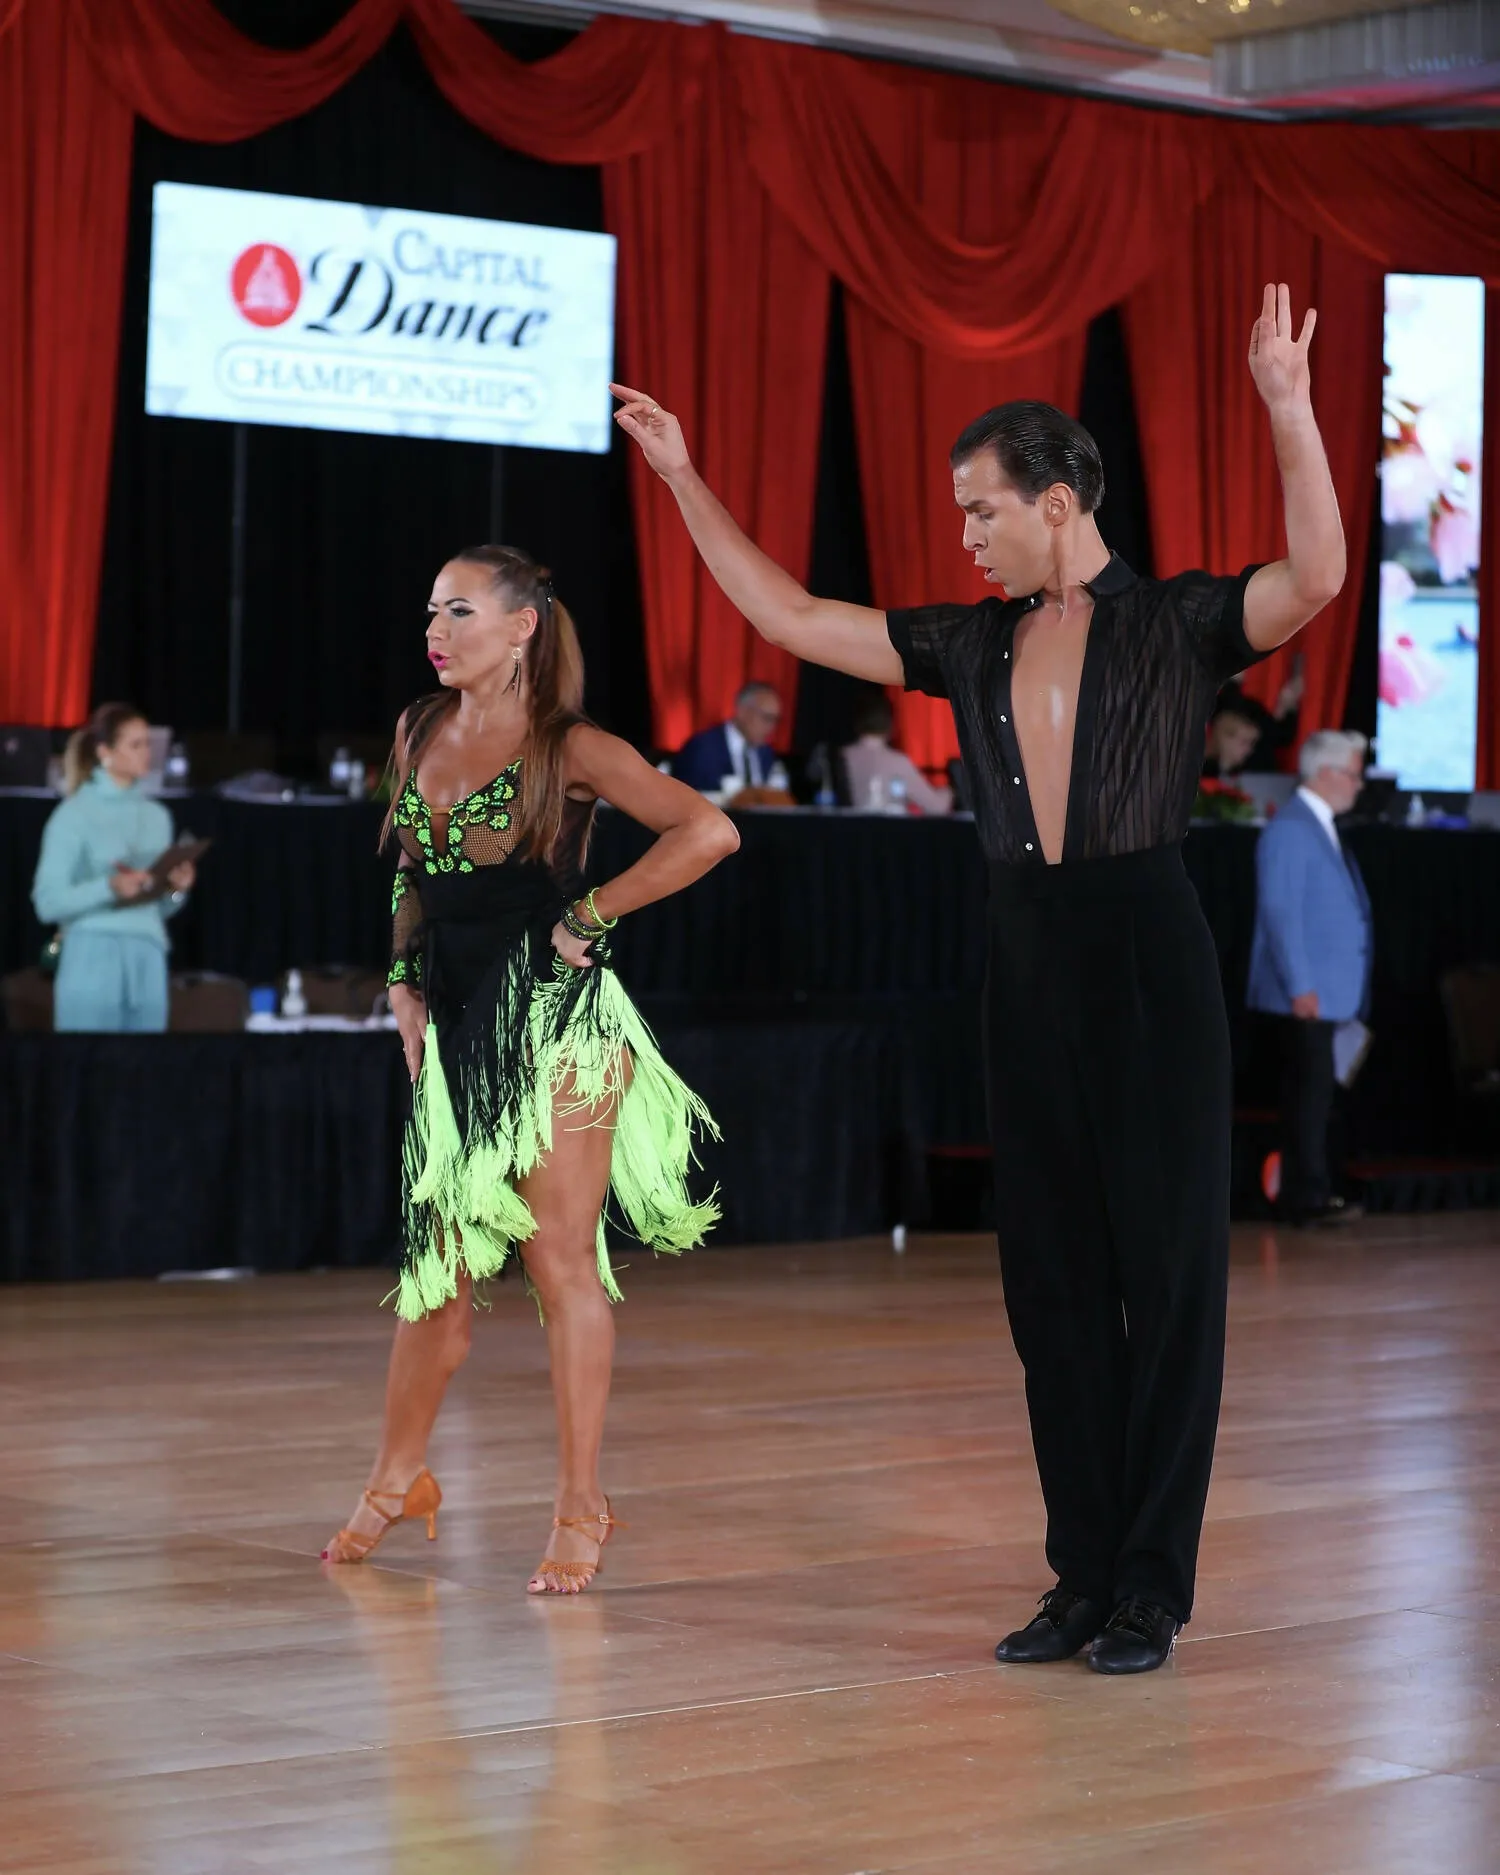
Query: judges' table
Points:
[862, 917]
[813, 904]
[133, 1155]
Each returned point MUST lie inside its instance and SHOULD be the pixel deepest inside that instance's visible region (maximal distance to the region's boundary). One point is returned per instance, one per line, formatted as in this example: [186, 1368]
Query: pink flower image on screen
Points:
[1408, 486]
[1455, 541]
[1407, 674]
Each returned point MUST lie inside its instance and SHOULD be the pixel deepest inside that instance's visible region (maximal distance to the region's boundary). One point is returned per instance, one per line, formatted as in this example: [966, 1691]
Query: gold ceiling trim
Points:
[1196, 25]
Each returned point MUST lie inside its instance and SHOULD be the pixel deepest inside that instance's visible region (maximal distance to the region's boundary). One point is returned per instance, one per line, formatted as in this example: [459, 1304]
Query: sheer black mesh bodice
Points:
[440, 850]
[1158, 652]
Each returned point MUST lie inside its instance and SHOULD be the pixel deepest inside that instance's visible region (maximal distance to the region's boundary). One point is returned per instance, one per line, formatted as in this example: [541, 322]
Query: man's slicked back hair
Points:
[1036, 446]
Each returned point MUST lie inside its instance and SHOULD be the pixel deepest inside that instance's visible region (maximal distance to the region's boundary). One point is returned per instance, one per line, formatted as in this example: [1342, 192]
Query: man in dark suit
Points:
[1310, 960]
[740, 748]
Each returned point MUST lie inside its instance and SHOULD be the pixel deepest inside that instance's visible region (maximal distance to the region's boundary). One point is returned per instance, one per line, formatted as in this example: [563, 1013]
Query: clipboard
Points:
[179, 853]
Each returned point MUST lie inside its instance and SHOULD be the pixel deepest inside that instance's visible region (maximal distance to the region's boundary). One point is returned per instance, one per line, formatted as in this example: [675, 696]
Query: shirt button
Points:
[1016, 779]
[1029, 847]
[1005, 719]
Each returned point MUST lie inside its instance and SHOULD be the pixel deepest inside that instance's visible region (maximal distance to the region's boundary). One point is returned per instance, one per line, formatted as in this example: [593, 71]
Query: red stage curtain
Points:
[64, 175]
[1093, 193]
[973, 185]
[72, 72]
[910, 404]
[182, 65]
[1205, 440]
[1423, 201]
[973, 222]
[723, 315]
[979, 230]
[616, 90]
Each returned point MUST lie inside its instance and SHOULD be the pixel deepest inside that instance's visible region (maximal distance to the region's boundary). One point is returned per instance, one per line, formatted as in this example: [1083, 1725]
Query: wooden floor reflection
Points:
[823, 1458]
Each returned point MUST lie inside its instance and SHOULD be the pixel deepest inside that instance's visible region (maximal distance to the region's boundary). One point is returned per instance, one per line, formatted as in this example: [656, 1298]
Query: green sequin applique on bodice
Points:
[479, 826]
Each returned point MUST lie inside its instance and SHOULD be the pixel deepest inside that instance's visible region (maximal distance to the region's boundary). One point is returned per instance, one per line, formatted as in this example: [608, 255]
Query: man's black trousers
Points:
[1109, 1090]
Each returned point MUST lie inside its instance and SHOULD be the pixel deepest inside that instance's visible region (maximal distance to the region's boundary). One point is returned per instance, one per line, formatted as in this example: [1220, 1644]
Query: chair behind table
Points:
[200, 1003]
[204, 1003]
[1471, 1002]
[26, 998]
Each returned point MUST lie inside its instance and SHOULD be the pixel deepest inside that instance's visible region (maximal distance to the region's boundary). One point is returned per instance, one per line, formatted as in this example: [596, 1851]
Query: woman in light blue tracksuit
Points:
[92, 875]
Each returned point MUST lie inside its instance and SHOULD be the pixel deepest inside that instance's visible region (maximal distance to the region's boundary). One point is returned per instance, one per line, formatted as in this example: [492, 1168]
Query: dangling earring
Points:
[515, 676]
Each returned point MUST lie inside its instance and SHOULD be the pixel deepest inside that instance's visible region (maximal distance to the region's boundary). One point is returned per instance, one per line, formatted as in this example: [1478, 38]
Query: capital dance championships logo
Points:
[266, 284]
[362, 338]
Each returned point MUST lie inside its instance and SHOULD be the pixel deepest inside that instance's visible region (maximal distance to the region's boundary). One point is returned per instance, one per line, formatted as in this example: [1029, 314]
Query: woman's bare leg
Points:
[424, 1358]
[566, 1194]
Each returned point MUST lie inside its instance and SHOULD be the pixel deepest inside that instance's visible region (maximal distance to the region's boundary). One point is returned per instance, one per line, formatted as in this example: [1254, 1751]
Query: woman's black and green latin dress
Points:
[518, 1044]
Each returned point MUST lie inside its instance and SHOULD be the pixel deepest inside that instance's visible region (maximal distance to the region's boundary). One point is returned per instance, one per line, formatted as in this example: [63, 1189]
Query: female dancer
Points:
[92, 881]
[539, 1090]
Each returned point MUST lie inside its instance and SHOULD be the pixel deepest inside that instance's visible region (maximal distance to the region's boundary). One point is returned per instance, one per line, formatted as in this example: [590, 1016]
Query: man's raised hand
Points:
[656, 430]
[1278, 362]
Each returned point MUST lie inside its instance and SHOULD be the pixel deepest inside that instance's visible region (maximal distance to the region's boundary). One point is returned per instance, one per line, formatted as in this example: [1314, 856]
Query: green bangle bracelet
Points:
[604, 924]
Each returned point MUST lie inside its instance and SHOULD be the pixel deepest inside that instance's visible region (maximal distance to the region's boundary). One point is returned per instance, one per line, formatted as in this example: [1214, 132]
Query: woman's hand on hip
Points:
[410, 1010]
[573, 951]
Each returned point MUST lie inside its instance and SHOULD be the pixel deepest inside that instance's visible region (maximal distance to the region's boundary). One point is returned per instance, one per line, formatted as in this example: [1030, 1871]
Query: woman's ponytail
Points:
[81, 757]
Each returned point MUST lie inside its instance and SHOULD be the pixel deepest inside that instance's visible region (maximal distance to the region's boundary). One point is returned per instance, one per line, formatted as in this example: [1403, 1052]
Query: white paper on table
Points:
[1351, 1043]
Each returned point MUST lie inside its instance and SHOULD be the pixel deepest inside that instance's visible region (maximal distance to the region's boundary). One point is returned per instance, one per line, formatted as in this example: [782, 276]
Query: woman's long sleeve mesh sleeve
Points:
[406, 919]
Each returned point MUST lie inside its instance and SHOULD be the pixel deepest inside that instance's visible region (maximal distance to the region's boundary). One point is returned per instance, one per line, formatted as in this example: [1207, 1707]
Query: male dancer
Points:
[1081, 699]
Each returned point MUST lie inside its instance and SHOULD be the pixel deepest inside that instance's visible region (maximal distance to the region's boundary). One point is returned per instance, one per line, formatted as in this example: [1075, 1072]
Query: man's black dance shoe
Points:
[1137, 1638]
[1064, 1625]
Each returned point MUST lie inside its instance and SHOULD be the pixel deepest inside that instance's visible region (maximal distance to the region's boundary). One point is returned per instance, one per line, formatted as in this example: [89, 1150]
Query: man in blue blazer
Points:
[1310, 961]
[741, 747]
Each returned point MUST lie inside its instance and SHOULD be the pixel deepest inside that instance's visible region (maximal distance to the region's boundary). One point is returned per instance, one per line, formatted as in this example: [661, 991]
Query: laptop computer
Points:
[1268, 791]
[155, 777]
[1484, 809]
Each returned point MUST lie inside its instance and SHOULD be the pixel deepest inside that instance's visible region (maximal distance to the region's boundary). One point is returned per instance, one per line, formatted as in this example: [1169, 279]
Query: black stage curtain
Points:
[135, 1155]
[1106, 409]
[883, 919]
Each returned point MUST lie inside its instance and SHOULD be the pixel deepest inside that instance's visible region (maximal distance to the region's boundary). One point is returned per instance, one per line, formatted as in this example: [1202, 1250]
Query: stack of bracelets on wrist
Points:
[594, 934]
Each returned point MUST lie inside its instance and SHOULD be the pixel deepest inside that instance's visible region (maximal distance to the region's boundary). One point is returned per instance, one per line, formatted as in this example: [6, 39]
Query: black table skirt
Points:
[134, 1155]
[816, 910]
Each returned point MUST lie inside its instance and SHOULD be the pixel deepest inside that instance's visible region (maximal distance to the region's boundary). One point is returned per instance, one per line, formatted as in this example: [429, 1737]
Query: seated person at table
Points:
[93, 875]
[1244, 737]
[740, 748]
[871, 764]
[1233, 734]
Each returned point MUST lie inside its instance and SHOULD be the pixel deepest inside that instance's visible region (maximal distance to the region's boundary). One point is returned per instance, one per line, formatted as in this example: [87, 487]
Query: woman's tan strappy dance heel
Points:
[580, 1572]
[422, 1498]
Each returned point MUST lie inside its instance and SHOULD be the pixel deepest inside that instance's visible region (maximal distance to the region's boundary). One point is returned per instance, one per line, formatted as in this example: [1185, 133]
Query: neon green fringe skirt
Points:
[484, 1117]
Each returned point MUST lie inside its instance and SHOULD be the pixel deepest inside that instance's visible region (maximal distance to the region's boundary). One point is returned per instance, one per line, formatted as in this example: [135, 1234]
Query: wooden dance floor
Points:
[822, 1455]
